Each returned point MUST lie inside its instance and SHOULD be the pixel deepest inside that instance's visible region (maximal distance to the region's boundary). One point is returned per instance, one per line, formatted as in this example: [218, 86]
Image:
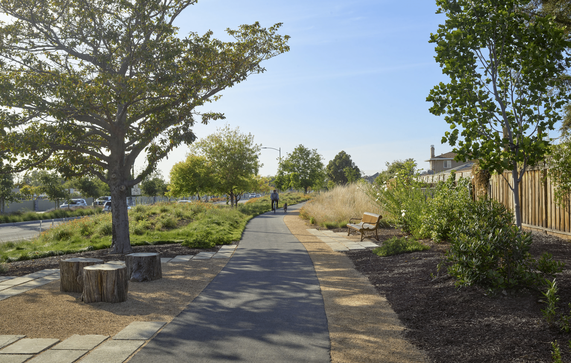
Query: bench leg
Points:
[362, 235]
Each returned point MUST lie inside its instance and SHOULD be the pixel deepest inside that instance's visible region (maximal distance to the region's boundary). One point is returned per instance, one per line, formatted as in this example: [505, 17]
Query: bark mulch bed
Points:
[465, 324]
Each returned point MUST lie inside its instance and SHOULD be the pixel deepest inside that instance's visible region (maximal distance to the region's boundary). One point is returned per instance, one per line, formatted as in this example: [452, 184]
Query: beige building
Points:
[441, 165]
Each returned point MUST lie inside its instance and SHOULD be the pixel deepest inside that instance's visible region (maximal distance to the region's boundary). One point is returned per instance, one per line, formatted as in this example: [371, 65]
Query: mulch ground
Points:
[450, 324]
[465, 324]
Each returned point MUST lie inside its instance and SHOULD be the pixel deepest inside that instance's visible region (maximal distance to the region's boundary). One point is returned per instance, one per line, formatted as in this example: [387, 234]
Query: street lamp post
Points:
[273, 148]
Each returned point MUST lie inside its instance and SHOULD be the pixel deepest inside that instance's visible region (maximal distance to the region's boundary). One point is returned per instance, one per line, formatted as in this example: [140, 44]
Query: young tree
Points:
[505, 88]
[233, 157]
[393, 169]
[336, 168]
[301, 169]
[52, 186]
[154, 186]
[27, 191]
[190, 177]
[90, 86]
[90, 187]
[6, 194]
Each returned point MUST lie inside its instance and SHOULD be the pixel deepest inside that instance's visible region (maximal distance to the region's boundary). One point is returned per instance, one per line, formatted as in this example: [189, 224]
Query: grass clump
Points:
[395, 246]
[334, 208]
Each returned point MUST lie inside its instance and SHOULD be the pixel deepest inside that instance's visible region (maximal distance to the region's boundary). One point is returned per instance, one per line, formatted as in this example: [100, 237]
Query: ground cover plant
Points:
[194, 225]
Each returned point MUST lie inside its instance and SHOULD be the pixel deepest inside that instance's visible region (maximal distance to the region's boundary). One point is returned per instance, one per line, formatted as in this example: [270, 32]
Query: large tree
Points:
[191, 177]
[87, 87]
[301, 169]
[6, 194]
[505, 89]
[337, 168]
[52, 185]
[233, 157]
[154, 185]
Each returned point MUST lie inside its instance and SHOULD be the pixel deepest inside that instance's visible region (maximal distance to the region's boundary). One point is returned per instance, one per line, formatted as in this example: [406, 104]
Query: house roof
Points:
[445, 156]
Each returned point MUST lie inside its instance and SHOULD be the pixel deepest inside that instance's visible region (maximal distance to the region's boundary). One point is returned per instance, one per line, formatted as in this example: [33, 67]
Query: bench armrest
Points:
[355, 219]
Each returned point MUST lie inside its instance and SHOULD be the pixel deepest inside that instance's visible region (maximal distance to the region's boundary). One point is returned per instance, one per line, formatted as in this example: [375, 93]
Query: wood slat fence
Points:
[539, 211]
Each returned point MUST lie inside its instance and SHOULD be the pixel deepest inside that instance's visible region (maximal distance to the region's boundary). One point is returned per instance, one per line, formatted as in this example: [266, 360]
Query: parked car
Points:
[74, 203]
[102, 200]
[184, 201]
[107, 206]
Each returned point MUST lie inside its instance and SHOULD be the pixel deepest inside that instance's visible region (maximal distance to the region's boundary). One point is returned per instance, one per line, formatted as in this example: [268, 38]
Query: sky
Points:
[355, 79]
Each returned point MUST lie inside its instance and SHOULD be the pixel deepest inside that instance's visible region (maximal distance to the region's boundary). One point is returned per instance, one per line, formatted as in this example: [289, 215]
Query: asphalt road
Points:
[24, 230]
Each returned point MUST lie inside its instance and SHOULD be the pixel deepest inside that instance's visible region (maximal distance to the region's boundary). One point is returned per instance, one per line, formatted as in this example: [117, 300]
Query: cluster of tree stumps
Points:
[107, 282]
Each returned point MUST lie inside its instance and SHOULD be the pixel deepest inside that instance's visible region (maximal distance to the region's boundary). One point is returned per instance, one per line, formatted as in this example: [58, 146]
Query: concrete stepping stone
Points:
[369, 244]
[313, 231]
[28, 346]
[81, 342]
[4, 287]
[116, 263]
[227, 248]
[166, 259]
[15, 358]
[4, 278]
[181, 258]
[221, 255]
[203, 256]
[42, 273]
[16, 281]
[58, 356]
[113, 351]
[9, 339]
[140, 330]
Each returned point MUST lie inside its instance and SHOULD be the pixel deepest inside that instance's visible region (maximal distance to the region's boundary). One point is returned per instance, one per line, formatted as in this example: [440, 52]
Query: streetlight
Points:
[273, 148]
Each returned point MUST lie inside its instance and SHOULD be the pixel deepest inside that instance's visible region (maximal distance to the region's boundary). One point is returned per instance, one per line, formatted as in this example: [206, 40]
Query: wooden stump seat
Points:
[143, 266]
[71, 271]
[369, 222]
[105, 283]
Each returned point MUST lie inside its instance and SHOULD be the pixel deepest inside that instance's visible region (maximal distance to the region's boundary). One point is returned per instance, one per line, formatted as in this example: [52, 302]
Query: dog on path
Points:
[285, 207]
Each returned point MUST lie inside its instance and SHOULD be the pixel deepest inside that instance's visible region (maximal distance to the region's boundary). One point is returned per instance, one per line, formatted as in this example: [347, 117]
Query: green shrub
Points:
[445, 209]
[402, 199]
[395, 246]
[105, 229]
[487, 249]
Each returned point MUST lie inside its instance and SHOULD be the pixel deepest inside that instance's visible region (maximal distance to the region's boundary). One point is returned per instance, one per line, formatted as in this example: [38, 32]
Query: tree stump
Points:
[143, 266]
[105, 283]
[71, 271]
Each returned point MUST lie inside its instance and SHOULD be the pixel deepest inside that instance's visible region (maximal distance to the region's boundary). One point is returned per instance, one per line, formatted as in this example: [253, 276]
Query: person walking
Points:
[275, 198]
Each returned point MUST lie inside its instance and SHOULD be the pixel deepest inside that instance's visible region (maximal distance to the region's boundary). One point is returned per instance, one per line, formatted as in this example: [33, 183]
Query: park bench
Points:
[369, 222]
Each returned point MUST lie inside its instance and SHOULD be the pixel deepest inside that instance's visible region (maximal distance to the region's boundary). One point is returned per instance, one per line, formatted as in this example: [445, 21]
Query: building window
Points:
[447, 164]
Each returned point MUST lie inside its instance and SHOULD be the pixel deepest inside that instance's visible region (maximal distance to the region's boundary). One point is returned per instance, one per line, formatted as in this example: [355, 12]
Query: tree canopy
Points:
[194, 176]
[505, 89]
[393, 169]
[301, 169]
[87, 87]
[340, 167]
[233, 159]
[154, 185]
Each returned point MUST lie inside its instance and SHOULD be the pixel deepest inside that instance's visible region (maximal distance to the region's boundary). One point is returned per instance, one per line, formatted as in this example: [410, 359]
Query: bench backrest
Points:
[371, 218]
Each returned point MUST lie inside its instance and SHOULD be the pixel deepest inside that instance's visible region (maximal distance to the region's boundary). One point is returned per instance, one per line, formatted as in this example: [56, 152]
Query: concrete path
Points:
[265, 306]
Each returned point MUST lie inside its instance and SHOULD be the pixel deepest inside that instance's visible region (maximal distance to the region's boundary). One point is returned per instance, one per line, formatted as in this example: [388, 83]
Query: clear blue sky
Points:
[356, 79]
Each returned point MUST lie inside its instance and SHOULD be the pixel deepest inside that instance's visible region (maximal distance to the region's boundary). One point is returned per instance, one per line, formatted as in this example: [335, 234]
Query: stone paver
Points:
[59, 356]
[16, 281]
[165, 259]
[15, 358]
[81, 342]
[42, 273]
[140, 330]
[4, 278]
[340, 243]
[113, 351]
[6, 340]
[28, 346]
[181, 258]
[204, 256]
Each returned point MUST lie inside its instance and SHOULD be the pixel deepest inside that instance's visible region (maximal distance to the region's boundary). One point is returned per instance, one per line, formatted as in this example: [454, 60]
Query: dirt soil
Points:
[444, 323]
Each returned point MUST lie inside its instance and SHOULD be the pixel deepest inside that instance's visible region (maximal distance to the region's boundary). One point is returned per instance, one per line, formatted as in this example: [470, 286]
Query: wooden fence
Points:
[539, 211]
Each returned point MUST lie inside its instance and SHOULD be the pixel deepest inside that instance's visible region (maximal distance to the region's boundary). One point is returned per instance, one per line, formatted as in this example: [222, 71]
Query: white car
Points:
[74, 203]
[102, 200]
[107, 207]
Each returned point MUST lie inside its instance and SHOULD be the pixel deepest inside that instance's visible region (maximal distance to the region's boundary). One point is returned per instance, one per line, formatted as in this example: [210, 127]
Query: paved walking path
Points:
[265, 306]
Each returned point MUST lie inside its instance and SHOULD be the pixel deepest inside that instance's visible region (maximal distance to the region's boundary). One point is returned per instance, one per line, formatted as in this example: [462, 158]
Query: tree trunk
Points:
[516, 197]
[143, 266]
[71, 272]
[105, 283]
[120, 217]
